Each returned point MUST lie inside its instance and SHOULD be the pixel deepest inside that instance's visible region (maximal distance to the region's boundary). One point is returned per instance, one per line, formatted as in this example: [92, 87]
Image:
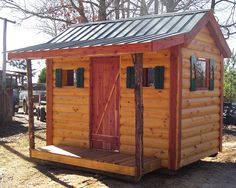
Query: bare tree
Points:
[80, 9]
[56, 15]
[227, 19]
[156, 6]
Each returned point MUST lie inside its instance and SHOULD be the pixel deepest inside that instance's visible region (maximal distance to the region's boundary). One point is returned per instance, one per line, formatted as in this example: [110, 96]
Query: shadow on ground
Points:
[205, 173]
[229, 130]
[50, 169]
[199, 174]
[183, 177]
[12, 128]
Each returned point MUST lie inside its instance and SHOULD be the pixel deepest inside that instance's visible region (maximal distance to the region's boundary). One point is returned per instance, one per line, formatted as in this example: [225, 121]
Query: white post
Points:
[4, 58]
[4, 53]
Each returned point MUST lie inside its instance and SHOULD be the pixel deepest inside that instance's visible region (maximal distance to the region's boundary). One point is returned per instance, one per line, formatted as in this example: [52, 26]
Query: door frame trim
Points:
[91, 98]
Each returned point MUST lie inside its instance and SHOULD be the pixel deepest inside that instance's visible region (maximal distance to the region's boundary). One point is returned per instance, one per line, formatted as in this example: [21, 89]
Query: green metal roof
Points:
[126, 31]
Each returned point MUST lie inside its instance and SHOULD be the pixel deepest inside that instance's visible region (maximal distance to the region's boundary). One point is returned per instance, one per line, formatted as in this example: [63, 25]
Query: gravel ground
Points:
[18, 170]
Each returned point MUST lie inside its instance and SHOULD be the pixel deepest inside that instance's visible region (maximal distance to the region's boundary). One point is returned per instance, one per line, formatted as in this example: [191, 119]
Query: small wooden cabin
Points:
[131, 96]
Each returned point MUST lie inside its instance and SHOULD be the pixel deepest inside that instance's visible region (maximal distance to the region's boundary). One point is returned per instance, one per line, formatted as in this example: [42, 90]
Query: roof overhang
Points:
[102, 50]
[210, 22]
[162, 43]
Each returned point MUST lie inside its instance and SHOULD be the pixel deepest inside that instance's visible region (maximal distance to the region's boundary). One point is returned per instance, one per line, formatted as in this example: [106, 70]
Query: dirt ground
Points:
[18, 170]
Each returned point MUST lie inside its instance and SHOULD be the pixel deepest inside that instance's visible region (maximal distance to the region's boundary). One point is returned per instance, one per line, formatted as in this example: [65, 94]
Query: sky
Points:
[23, 35]
[19, 36]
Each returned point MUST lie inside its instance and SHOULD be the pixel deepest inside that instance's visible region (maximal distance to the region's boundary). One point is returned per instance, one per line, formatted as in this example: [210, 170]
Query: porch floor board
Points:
[100, 160]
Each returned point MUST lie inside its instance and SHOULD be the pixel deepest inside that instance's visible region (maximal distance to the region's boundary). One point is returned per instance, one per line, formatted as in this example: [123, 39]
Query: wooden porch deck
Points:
[105, 161]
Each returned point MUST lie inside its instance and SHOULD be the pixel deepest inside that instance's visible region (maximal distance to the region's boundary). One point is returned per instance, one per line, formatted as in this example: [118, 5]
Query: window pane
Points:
[145, 77]
[148, 77]
[201, 74]
[70, 77]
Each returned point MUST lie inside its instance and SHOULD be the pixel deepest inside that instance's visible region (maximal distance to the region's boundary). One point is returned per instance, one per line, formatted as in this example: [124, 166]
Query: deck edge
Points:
[85, 163]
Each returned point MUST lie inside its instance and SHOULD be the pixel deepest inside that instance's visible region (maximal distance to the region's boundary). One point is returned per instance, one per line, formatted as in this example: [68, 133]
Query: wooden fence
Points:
[6, 105]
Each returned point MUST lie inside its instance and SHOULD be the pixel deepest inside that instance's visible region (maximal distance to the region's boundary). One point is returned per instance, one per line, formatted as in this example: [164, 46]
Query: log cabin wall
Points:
[156, 110]
[200, 131]
[70, 109]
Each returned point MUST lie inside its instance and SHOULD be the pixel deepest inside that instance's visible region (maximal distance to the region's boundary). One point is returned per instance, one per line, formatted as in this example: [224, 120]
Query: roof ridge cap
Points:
[143, 17]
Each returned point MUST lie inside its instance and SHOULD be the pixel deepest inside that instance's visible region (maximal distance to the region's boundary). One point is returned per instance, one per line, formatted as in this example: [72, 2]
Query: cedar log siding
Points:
[156, 110]
[200, 130]
[71, 106]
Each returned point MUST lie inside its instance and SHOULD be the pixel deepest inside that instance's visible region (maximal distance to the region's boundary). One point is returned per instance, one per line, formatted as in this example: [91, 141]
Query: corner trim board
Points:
[49, 89]
[221, 103]
[173, 127]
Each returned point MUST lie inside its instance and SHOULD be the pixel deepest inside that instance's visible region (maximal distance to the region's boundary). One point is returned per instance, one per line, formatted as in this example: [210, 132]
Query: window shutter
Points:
[130, 77]
[159, 75]
[193, 61]
[211, 74]
[80, 77]
[58, 78]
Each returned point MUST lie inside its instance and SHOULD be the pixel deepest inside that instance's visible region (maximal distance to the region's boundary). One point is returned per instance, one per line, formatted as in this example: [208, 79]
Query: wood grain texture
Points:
[105, 91]
[156, 109]
[179, 106]
[173, 132]
[199, 156]
[30, 104]
[70, 106]
[49, 99]
[221, 102]
[88, 51]
[138, 98]
[105, 161]
[201, 110]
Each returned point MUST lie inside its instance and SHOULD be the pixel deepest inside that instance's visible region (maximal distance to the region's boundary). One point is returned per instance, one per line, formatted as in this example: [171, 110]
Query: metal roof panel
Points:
[181, 23]
[191, 23]
[64, 33]
[120, 29]
[71, 34]
[141, 26]
[149, 26]
[160, 25]
[101, 31]
[135, 30]
[92, 32]
[133, 25]
[110, 30]
[170, 24]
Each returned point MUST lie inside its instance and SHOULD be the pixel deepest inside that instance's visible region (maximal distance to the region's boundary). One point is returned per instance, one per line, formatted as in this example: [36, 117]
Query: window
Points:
[201, 73]
[68, 77]
[148, 77]
[152, 77]
[201, 68]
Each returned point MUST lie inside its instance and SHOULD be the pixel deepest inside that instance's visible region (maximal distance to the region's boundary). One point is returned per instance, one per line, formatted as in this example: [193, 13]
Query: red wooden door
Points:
[105, 95]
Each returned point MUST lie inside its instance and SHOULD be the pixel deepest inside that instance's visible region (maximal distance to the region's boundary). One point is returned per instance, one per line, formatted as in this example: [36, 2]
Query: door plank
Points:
[105, 103]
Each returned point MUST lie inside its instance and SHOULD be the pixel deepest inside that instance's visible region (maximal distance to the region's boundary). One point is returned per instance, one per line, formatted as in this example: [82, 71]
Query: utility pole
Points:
[4, 53]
